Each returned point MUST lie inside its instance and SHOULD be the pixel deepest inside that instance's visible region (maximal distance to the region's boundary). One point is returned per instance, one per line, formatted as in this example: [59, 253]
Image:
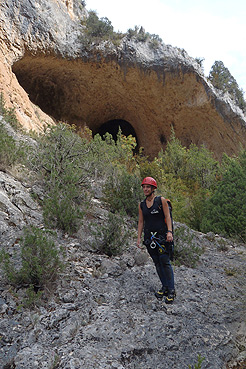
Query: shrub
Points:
[8, 114]
[125, 147]
[139, 34]
[10, 151]
[32, 297]
[188, 178]
[98, 27]
[200, 61]
[40, 261]
[225, 210]
[60, 209]
[142, 36]
[61, 161]
[100, 155]
[122, 192]
[155, 41]
[104, 154]
[111, 237]
[174, 158]
[194, 207]
[132, 32]
[149, 168]
[185, 251]
[201, 167]
[8, 148]
[195, 164]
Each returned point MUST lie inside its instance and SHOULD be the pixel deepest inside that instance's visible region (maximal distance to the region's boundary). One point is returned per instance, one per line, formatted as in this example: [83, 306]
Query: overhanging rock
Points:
[150, 90]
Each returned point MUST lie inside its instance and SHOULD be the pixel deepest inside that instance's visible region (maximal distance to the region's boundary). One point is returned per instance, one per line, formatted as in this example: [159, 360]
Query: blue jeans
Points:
[163, 267]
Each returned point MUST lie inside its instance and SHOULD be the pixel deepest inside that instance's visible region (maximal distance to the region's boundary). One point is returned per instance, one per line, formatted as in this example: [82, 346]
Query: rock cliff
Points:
[102, 313]
[48, 72]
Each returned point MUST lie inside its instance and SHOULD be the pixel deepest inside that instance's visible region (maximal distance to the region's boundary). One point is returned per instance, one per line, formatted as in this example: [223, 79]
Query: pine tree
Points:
[222, 79]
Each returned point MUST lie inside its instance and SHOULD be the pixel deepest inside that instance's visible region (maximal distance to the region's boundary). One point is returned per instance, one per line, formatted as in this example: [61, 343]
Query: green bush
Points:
[185, 251]
[149, 168]
[40, 261]
[139, 34]
[62, 165]
[225, 211]
[174, 158]
[98, 27]
[66, 163]
[155, 41]
[123, 192]
[111, 237]
[60, 209]
[195, 164]
[194, 208]
[189, 176]
[201, 167]
[104, 154]
[10, 151]
[8, 114]
[8, 148]
[142, 36]
[132, 32]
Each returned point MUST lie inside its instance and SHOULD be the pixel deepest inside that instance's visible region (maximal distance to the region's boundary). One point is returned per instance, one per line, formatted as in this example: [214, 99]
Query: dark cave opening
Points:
[113, 126]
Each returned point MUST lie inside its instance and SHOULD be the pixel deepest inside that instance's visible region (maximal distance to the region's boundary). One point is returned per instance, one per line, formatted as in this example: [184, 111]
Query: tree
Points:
[98, 27]
[174, 157]
[225, 211]
[222, 79]
[201, 167]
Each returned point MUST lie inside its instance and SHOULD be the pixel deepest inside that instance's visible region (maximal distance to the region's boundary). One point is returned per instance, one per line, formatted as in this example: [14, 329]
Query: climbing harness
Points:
[154, 242]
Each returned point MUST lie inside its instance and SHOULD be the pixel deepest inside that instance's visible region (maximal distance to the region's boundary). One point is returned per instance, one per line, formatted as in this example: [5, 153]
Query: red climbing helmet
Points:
[149, 181]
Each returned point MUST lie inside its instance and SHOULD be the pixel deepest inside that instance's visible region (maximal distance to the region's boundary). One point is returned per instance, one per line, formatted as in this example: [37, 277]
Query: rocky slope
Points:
[102, 314]
[47, 68]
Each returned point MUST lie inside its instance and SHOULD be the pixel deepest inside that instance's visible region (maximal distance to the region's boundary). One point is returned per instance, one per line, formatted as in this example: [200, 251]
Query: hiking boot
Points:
[170, 297]
[161, 293]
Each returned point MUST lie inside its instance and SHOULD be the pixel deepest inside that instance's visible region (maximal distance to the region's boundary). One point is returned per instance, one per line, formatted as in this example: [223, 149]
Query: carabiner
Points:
[152, 244]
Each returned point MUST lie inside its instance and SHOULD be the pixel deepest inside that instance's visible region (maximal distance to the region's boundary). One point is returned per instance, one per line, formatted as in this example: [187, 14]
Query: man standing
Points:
[155, 220]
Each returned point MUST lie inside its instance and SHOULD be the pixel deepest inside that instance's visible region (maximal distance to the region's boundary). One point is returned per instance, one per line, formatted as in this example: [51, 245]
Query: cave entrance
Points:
[113, 126]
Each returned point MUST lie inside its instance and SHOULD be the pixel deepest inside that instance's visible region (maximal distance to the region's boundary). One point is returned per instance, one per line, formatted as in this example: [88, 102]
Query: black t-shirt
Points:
[154, 218]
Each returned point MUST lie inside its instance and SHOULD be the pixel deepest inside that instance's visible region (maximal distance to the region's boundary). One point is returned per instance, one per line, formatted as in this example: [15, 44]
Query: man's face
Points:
[147, 189]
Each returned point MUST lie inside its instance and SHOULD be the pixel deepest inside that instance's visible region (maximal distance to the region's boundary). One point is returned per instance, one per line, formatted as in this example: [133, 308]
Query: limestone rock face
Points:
[38, 26]
[46, 68]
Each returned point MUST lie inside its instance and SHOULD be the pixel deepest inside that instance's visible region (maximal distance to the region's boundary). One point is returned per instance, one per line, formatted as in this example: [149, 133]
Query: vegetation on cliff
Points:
[101, 29]
[205, 193]
[222, 79]
[70, 167]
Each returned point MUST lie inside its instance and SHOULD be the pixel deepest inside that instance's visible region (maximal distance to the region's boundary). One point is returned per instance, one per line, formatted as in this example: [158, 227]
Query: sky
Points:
[209, 29]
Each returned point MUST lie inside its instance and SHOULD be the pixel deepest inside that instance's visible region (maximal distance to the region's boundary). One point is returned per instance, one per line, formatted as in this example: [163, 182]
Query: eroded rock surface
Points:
[151, 90]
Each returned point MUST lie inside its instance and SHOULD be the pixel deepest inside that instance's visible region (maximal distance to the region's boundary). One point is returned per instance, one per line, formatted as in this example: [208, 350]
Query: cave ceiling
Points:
[103, 95]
